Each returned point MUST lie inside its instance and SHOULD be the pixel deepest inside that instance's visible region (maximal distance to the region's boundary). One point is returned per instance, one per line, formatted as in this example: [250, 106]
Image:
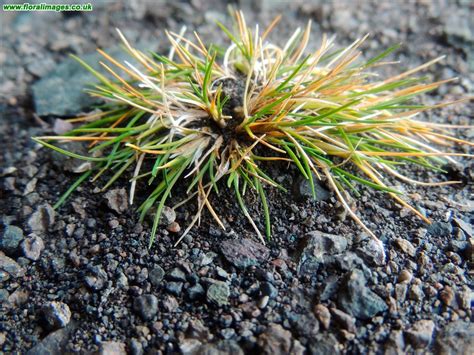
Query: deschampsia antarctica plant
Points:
[204, 114]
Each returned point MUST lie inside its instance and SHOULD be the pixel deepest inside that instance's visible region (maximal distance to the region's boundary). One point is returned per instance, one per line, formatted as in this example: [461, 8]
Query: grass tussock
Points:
[202, 114]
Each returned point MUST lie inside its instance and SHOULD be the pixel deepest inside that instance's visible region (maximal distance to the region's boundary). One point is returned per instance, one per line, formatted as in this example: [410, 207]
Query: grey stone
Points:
[41, 219]
[345, 320]
[97, 279]
[9, 268]
[10, 239]
[322, 313]
[61, 92]
[218, 293]
[190, 346]
[176, 274]
[206, 259]
[420, 334]
[156, 275]
[54, 343]
[440, 229]
[168, 216]
[170, 304]
[455, 338]
[324, 344]
[117, 200]
[57, 314]
[136, 348]
[174, 288]
[275, 340]
[303, 191]
[318, 249]
[122, 280]
[222, 347]
[357, 299]
[146, 306]
[18, 298]
[267, 289]
[466, 227]
[195, 292]
[405, 246]
[32, 247]
[112, 348]
[372, 252]
[244, 252]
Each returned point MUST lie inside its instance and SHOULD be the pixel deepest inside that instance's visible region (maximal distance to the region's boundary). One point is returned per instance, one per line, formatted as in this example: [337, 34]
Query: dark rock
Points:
[60, 93]
[195, 292]
[18, 298]
[372, 252]
[9, 268]
[222, 347]
[61, 126]
[405, 246]
[243, 253]
[117, 200]
[455, 338]
[347, 261]
[395, 343]
[170, 304]
[440, 229]
[324, 344]
[318, 247]
[10, 239]
[174, 288]
[176, 274]
[156, 275]
[168, 216]
[112, 348]
[416, 293]
[3, 296]
[458, 246]
[267, 289]
[305, 324]
[97, 279]
[206, 259]
[420, 334]
[322, 313]
[218, 293]
[466, 227]
[122, 280]
[54, 343]
[56, 314]
[302, 189]
[190, 346]
[42, 219]
[146, 306]
[357, 299]
[276, 340]
[136, 347]
[344, 319]
[196, 329]
[32, 247]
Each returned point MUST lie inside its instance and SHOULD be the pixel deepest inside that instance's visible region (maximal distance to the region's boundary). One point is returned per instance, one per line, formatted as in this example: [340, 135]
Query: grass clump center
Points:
[202, 114]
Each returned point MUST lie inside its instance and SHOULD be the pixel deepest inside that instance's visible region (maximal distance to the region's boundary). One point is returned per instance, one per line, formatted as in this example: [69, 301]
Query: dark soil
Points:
[81, 279]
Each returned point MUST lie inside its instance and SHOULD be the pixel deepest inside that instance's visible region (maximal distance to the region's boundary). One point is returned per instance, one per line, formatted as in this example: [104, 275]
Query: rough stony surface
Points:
[243, 253]
[32, 247]
[357, 299]
[56, 314]
[10, 239]
[320, 286]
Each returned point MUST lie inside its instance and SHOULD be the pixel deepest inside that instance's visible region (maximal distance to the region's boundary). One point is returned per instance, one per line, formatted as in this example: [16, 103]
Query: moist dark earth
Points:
[81, 279]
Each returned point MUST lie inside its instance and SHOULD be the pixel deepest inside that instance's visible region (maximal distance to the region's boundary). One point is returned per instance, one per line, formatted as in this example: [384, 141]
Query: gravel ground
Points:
[81, 279]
